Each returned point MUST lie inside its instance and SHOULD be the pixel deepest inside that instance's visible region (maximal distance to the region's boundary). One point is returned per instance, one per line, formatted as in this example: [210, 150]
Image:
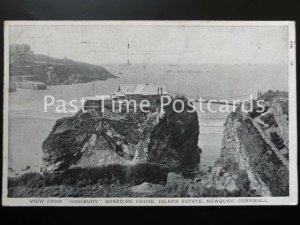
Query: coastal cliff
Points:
[26, 65]
[98, 138]
[254, 155]
[174, 141]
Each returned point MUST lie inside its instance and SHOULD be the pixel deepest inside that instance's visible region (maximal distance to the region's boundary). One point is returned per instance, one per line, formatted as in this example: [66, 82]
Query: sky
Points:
[103, 44]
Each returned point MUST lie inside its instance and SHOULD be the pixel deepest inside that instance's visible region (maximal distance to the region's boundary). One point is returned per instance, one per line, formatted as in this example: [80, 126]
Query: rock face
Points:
[174, 141]
[94, 139]
[232, 171]
[252, 163]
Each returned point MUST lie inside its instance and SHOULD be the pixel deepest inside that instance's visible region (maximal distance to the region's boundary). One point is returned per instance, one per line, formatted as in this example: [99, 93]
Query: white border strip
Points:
[5, 113]
[293, 146]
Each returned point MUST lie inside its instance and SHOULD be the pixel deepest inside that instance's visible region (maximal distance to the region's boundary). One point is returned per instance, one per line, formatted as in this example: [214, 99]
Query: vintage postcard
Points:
[149, 113]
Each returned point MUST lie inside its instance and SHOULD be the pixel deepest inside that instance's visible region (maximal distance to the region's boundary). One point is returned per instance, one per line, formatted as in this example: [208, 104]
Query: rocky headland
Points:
[254, 157]
[26, 65]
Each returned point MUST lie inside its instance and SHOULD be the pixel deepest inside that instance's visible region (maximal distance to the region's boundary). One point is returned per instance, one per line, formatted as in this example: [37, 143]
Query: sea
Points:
[29, 124]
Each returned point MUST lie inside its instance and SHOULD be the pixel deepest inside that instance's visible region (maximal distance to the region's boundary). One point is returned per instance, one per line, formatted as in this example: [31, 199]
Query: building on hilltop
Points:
[139, 92]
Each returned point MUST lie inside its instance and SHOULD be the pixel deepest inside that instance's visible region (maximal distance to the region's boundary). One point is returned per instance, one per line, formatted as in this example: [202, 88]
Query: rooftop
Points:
[142, 89]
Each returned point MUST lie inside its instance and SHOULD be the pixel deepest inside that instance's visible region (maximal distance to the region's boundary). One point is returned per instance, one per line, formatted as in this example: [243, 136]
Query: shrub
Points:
[29, 179]
[87, 176]
[147, 172]
[269, 119]
[110, 174]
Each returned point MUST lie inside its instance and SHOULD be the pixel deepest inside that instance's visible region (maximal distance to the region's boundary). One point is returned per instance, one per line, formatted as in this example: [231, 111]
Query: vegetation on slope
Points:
[52, 71]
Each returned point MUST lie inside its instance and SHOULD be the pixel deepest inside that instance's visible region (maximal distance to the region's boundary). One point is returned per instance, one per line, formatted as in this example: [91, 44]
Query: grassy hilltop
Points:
[24, 62]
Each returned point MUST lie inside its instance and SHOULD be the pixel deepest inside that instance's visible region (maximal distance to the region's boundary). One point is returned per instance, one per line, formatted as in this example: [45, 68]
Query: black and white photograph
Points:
[158, 113]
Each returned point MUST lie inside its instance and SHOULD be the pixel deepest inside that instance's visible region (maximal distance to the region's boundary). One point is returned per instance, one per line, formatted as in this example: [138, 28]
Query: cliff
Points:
[25, 63]
[254, 155]
[174, 141]
[96, 139]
